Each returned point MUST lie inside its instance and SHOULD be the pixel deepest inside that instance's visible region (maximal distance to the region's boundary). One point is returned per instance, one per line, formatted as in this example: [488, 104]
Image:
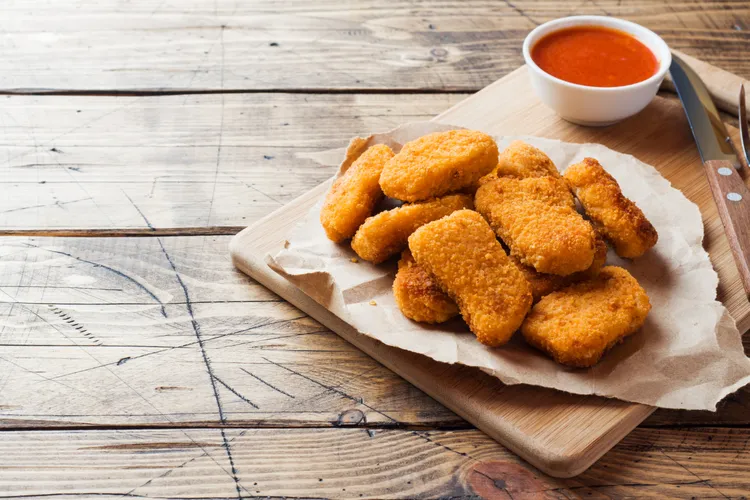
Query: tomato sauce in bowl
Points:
[594, 56]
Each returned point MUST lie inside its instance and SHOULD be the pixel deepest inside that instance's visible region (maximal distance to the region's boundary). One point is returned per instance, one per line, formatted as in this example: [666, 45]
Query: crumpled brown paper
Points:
[688, 355]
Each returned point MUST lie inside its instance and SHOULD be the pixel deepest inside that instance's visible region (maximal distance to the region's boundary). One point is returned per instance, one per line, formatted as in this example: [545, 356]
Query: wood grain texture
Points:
[134, 165]
[359, 463]
[164, 331]
[170, 170]
[83, 338]
[733, 203]
[143, 45]
[177, 161]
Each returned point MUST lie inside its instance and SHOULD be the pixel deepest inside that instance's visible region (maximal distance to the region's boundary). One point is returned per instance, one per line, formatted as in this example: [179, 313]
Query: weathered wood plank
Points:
[126, 163]
[97, 331]
[158, 331]
[232, 44]
[359, 463]
[177, 161]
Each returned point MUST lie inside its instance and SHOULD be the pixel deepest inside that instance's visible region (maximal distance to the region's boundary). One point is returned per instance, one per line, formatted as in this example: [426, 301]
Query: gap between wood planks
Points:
[197, 230]
[172, 92]
[130, 232]
[457, 426]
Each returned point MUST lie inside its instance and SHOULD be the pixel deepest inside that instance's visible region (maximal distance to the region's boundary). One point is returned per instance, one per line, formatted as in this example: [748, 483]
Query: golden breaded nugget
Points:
[577, 324]
[536, 219]
[386, 233]
[438, 163]
[544, 284]
[463, 255]
[418, 295]
[354, 194]
[524, 160]
[618, 218]
[420, 298]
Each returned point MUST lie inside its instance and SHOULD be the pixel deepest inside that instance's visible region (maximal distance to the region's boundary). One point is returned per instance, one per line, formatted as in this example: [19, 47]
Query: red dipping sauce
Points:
[594, 56]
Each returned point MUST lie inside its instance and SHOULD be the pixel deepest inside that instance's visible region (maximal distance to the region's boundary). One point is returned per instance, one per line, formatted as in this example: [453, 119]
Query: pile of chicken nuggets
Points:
[497, 238]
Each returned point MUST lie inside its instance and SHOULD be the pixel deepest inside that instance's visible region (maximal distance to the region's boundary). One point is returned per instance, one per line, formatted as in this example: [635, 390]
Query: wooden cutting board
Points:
[561, 434]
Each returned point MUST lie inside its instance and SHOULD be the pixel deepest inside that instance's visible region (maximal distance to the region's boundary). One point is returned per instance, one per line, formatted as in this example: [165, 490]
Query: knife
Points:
[720, 161]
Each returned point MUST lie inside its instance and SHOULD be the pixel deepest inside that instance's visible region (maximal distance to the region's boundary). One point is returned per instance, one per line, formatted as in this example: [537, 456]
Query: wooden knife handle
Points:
[733, 201]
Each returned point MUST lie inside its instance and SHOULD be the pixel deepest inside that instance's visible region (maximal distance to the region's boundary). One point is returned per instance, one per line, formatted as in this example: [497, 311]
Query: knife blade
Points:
[705, 121]
[744, 134]
[720, 162]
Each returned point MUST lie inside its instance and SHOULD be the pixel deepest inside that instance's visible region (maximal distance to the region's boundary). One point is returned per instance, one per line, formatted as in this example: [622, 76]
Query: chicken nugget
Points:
[418, 295]
[523, 160]
[577, 324]
[463, 255]
[386, 233]
[617, 217]
[354, 194]
[438, 163]
[544, 284]
[536, 219]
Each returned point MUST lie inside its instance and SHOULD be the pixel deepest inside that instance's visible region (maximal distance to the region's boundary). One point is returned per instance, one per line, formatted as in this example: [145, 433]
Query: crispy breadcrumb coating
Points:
[418, 295]
[354, 194]
[617, 217]
[523, 160]
[463, 255]
[386, 233]
[577, 324]
[536, 220]
[420, 298]
[438, 163]
[544, 284]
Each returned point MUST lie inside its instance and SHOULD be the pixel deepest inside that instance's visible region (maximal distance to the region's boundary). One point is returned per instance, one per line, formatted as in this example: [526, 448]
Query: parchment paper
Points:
[688, 355]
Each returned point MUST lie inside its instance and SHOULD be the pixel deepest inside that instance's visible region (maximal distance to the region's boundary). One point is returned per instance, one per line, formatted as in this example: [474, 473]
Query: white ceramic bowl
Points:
[596, 105]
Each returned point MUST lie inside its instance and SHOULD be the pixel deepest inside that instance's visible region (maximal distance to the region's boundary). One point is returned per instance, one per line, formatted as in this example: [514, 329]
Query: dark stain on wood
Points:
[496, 480]
[351, 418]
[162, 388]
[142, 447]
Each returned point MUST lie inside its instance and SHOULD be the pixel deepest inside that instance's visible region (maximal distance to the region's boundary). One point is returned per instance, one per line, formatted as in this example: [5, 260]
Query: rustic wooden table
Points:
[138, 136]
